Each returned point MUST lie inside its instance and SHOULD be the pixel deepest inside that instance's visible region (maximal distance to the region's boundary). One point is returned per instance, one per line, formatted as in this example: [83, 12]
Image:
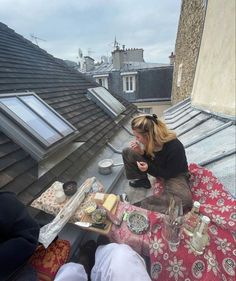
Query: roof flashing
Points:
[47, 164]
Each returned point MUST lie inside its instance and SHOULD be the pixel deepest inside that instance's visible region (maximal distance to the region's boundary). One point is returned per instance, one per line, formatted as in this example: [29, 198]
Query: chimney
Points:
[172, 58]
[118, 58]
[134, 55]
[89, 63]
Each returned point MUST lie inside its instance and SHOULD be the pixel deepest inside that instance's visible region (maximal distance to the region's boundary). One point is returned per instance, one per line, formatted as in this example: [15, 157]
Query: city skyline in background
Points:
[62, 28]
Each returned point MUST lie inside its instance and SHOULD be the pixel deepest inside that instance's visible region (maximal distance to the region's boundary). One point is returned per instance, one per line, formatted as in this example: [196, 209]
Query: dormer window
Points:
[129, 81]
[102, 79]
[33, 124]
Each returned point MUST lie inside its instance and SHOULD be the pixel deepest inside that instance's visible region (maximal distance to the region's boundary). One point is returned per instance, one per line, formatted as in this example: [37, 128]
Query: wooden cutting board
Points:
[87, 218]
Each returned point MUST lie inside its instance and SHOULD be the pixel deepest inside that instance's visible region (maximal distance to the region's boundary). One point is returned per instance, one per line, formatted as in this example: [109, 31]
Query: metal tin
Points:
[105, 166]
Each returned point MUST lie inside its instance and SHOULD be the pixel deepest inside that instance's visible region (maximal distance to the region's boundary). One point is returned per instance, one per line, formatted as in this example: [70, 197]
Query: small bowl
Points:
[99, 216]
[137, 222]
[70, 188]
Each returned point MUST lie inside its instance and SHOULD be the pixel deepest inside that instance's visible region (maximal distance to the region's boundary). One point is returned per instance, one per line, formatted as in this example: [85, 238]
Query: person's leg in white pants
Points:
[71, 272]
[113, 262]
[118, 262]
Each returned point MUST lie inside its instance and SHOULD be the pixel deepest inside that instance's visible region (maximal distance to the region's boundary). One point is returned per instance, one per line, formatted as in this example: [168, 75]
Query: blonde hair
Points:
[155, 130]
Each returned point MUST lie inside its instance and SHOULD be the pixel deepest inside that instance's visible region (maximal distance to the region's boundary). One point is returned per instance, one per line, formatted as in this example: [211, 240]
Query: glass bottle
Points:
[200, 237]
[192, 219]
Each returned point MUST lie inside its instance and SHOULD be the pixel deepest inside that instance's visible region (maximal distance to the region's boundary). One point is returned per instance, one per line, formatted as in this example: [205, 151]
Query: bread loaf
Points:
[110, 202]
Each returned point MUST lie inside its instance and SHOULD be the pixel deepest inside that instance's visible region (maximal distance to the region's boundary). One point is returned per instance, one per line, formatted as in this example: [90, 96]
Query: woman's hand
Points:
[143, 166]
[135, 146]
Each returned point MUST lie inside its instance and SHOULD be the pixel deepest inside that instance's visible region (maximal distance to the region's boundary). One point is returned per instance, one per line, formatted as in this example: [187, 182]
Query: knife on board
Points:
[89, 224]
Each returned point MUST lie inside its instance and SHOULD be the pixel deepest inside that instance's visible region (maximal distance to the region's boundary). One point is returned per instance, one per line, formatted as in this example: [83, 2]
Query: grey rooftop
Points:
[209, 140]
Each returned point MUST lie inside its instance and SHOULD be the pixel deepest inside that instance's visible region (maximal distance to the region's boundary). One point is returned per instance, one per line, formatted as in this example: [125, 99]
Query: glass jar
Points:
[192, 219]
[200, 237]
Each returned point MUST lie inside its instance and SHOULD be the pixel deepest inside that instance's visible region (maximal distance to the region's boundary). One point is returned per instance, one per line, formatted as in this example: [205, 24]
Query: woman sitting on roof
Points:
[158, 152]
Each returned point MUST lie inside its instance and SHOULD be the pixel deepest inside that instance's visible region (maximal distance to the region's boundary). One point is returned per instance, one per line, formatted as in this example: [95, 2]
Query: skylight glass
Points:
[33, 124]
[47, 114]
[105, 100]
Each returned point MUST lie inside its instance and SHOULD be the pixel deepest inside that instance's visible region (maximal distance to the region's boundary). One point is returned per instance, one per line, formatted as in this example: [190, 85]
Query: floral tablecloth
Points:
[122, 234]
[47, 202]
[219, 258]
[216, 264]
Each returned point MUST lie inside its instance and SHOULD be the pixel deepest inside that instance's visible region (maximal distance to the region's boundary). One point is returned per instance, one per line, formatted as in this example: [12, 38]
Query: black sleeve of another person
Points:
[18, 234]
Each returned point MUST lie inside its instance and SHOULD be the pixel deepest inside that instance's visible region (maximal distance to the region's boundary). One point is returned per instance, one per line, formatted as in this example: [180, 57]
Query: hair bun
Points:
[155, 118]
[152, 117]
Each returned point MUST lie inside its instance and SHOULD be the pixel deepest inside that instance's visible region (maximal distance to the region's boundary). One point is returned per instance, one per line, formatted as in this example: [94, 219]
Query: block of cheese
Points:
[99, 197]
[110, 202]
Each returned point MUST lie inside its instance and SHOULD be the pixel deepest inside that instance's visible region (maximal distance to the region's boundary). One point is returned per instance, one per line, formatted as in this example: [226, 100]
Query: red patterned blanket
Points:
[218, 261]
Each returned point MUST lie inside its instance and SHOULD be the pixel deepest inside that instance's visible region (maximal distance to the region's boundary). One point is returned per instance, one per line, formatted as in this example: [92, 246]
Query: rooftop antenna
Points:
[36, 39]
[116, 44]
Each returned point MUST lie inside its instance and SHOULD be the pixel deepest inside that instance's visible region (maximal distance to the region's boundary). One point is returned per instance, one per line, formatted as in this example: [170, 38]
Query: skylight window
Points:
[48, 114]
[106, 101]
[31, 123]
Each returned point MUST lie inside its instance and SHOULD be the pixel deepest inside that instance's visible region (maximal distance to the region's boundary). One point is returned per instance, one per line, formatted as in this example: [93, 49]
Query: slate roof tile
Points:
[12, 158]
[7, 148]
[18, 168]
[26, 67]
[19, 183]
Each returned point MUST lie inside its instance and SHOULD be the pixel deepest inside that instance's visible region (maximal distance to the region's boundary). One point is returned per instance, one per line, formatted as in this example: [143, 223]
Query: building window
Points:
[129, 83]
[32, 123]
[102, 80]
[146, 110]
[179, 76]
[106, 101]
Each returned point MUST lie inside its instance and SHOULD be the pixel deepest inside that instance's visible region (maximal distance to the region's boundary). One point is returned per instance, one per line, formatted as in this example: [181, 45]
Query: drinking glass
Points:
[171, 231]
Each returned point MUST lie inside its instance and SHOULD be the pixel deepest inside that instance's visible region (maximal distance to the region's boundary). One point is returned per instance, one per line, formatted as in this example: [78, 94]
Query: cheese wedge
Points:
[99, 197]
[110, 202]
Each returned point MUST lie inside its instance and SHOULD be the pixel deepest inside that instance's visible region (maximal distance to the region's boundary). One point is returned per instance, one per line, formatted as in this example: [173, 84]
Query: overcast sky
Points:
[91, 25]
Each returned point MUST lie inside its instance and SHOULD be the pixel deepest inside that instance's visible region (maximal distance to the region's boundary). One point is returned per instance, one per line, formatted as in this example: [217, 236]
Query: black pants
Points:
[131, 169]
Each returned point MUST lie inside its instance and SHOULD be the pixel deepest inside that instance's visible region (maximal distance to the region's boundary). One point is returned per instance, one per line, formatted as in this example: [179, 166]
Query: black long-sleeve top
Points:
[18, 234]
[169, 162]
